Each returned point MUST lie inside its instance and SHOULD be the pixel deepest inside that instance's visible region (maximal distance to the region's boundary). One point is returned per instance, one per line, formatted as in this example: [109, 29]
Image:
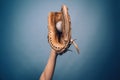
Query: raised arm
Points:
[59, 38]
[48, 72]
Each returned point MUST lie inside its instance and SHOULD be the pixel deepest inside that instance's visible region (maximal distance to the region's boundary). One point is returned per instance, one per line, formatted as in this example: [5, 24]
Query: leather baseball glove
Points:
[59, 31]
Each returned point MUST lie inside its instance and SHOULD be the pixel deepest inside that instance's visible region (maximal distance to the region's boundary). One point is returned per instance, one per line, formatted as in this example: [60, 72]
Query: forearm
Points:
[49, 69]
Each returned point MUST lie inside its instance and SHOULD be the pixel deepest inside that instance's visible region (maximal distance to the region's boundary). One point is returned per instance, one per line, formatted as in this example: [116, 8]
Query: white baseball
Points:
[59, 26]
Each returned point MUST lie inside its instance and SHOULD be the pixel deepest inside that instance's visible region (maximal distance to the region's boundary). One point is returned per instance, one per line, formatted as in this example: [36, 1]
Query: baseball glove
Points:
[59, 31]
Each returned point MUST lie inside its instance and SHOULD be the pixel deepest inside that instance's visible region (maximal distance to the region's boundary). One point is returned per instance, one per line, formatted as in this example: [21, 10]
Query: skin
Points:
[48, 72]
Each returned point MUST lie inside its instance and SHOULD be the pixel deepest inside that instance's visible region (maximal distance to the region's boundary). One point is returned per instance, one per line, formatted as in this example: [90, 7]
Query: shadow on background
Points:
[24, 48]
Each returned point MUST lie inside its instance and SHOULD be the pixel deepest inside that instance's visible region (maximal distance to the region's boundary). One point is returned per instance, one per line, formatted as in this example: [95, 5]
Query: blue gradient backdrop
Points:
[24, 49]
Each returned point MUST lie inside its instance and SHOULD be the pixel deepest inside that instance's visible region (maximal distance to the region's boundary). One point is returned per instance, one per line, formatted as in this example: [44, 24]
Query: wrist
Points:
[53, 53]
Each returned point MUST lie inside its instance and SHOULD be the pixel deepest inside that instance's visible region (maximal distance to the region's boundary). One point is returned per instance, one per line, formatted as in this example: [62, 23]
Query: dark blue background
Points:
[24, 48]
